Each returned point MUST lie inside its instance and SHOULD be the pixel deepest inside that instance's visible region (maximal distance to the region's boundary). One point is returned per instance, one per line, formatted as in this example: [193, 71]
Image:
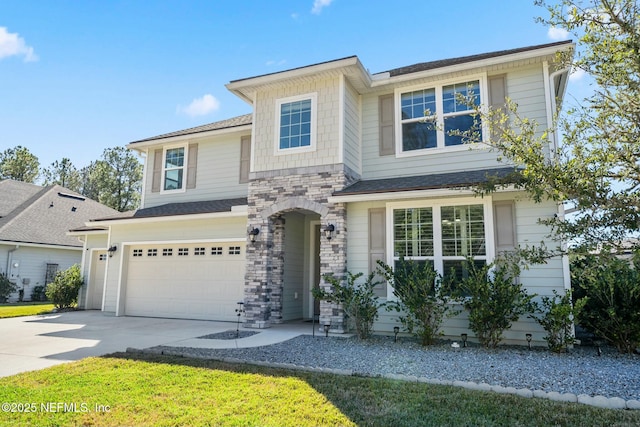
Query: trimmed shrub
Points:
[422, 298]
[359, 302]
[63, 292]
[555, 314]
[6, 288]
[494, 299]
[610, 305]
[38, 293]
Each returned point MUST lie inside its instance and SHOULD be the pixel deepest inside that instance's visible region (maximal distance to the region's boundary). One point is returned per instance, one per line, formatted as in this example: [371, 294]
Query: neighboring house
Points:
[34, 222]
[335, 169]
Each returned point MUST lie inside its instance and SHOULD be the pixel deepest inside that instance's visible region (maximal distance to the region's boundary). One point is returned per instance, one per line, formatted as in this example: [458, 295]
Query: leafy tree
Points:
[117, 176]
[62, 173]
[19, 164]
[596, 167]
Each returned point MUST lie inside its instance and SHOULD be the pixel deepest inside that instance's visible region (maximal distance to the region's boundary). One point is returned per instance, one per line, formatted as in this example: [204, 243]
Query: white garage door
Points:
[185, 281]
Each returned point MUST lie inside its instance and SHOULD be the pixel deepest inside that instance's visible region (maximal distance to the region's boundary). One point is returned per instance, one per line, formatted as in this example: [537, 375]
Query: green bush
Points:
[63, 292]
[38, 293]
[422, 298]
[359, 302]
[6, 288]
[610, 307]
[494, 299]
[555, 314]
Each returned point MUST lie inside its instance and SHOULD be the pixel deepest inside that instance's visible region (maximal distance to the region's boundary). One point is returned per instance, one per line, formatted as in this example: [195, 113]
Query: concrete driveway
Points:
[36, 342]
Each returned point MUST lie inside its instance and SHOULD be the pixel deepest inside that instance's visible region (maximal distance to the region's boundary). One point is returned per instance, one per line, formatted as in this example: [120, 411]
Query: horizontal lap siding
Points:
[351, 128]
[524, 86]
[217, 175]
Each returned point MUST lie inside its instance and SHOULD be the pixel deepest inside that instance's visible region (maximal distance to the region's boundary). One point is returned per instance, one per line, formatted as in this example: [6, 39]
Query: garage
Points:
[185, 281]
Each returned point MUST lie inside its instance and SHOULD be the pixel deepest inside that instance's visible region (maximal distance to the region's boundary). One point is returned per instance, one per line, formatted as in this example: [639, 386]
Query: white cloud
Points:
[576, 74]
[272, 63]
[295, 16]
[200, 106]
[318, 5]
[555, 33]
[11, 44]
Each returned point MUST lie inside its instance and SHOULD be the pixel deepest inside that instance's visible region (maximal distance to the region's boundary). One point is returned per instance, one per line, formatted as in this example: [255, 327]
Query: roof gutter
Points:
[170, 218]
[140, 146]
[10, 258]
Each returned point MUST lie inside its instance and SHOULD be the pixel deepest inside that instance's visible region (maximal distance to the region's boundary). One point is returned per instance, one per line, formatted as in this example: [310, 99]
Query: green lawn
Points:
[125, 389]
[24, 309]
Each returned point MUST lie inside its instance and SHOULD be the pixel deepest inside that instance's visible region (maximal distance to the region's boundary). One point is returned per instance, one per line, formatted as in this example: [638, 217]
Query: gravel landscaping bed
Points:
[581, 371]
[228, 335]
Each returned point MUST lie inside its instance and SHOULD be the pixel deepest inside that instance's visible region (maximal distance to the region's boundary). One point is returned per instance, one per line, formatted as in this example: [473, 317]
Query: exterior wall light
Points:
[329, 230]
[253, 233]
[112, 250]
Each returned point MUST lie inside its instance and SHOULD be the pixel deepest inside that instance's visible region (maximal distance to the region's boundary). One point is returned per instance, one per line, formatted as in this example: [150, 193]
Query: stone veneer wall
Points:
[271, 194]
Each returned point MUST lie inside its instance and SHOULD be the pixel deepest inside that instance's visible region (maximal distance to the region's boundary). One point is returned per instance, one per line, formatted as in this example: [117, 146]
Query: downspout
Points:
[10, 258]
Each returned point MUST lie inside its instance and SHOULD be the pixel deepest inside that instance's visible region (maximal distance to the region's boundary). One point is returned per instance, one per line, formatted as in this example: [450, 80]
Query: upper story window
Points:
[296, 128]
[173, 168]
[429, 117]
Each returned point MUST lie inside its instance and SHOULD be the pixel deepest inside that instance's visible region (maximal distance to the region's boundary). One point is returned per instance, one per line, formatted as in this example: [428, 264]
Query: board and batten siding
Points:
[216, 172]
[352, 128]
[523, 86]
[169, 233]
[327, 126]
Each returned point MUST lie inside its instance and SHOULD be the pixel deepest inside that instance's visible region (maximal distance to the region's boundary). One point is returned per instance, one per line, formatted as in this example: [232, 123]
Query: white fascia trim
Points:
[88, 232]
[39, 245]
[415, 194]
[174, 218]
[289, 74]
[497, 60]
[145, 155]
[139, 146]
[549, 101]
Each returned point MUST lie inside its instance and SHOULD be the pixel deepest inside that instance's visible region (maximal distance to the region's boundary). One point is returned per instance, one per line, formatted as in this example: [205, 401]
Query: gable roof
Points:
[424, 66]
[233, 122]
[45, 214]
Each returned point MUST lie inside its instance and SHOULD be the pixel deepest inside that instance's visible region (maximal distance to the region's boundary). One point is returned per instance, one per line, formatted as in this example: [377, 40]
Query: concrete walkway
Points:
[36, 342]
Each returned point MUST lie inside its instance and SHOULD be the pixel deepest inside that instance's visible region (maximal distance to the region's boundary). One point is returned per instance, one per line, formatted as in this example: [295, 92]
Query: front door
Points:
[96, 286]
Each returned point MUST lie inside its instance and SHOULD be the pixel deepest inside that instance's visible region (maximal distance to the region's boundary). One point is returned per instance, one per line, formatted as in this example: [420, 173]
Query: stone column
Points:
[256, 291]
[275, 269]
[333, 260]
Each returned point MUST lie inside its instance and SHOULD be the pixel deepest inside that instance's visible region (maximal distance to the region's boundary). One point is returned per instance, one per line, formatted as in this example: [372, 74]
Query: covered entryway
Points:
[185, 281]
[95, 290]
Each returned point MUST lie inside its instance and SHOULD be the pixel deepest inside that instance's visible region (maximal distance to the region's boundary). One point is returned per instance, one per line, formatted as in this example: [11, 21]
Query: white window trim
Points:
[437, 257]
[184, 168]
[314, 115]
[437, 85]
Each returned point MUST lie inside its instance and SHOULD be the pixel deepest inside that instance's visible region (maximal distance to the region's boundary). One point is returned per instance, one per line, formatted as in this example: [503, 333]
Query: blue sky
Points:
[77, 77]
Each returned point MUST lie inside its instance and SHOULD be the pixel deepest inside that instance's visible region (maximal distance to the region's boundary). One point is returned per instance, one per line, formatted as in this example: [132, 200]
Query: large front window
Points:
[174, 168]
[440, 116]
[296, 124]
[443, 236]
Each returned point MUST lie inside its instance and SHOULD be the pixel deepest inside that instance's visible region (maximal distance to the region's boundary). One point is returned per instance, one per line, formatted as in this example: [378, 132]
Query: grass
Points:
[145, 390]
[24, 309]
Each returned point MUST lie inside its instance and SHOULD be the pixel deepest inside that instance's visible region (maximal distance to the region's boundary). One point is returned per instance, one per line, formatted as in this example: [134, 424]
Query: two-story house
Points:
[334, 169]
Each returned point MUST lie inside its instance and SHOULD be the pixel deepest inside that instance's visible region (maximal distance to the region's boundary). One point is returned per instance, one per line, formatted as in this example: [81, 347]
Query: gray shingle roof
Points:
[15, 193]
[186, 208]
[424, 66]
[426, 182]
[223, 124]
[44, 217]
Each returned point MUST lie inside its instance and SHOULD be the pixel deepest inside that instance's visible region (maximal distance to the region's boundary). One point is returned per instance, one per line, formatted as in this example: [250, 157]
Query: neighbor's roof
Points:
[43, 215]
[175, 209]
[461, 179]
